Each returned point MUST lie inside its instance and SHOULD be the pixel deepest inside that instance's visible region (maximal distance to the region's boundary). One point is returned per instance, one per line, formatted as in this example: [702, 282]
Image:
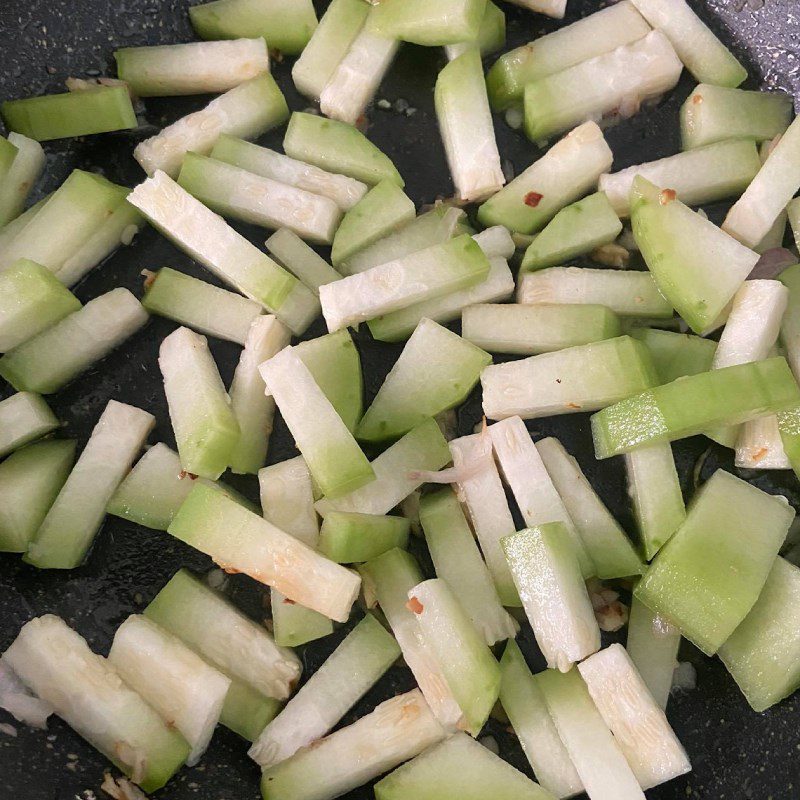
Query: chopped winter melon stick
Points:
[703, 175]
[356, 78]
[529, 330]
[303, 262]
[398, 325]
[155, 489]
[397, 730]
[246, 711]
[525, 474]
[206, 430]
[524, 704]
[193, 68]
[287, 25]
[50, 360]
[482, 491]
[597, 757]
[749, 334]
[344, 191]
[337, 147]
[444, 22]
[552, 8]
[438, 270]
[246, 111]
[436, 371]
[434, 227]
[178, 684]
[337, 30]
[704, 55]
[349, 537]
[392, 576]
[76, 515]
[759, 445]
[85, 690]
[119, 228]
[462, 768]
[711, 572]
[577, 229]
[399, 471]
[496, 242]
[582, 378]
[609, 83]
[491, 35]
[629, 294]
[769, 192]
[207, 238]
[239, 540]
[676, 354]
[219, 632]
[547, 573]
[598, 33]
[25, 417]
[335, 364]
[716, 113]
[694, 404]
[762, 653]
[566, 172]
[470, 670]
[465, 122]
[8, 152]
[253, 409]
[31, 300]
[66, 220]
[344, 678]
[639, 725]
[199, 305]
[21, 176]
[61, 116]
[458, 561]
[335, 460]
[384, 209]
[696, 266]
[11, 229]
[655, 490]
[30, 481]
[790, 324]
[653, 648]
[287, 501]
[234, 192]
[610, 550]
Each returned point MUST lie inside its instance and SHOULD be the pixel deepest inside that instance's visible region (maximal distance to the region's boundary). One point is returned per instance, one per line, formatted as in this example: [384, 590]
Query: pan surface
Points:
[735, 753]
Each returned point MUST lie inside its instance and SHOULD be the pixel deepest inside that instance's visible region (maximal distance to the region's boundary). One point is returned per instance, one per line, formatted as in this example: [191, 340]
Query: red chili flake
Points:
[697, 99]
[666, 196]
[184, 474]
[415, 606]
[572, 405]
[533, 199]
[759, 454]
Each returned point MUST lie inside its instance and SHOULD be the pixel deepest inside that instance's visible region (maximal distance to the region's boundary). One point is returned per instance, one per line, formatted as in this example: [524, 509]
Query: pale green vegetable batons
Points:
[20, 177]
[74, 519]
[301, 260]
[246, 111]
[60, 116]
[692, 405]
[24, 417]
[287, 25]
[56, 663]
[458, 768]
[709, 576]
[547, 574]
[435, 372]
[697, 266]
[445, 22]
[337, 147]
[348, 537]
[715, 113]
[193, 68]
[676, 354]
[524, 703]
[30, 480]
[31, 300]
[205, 427]
[762, 653]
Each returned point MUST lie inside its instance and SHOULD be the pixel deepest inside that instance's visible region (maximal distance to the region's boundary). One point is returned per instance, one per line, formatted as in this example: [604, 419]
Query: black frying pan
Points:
[735, 753]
